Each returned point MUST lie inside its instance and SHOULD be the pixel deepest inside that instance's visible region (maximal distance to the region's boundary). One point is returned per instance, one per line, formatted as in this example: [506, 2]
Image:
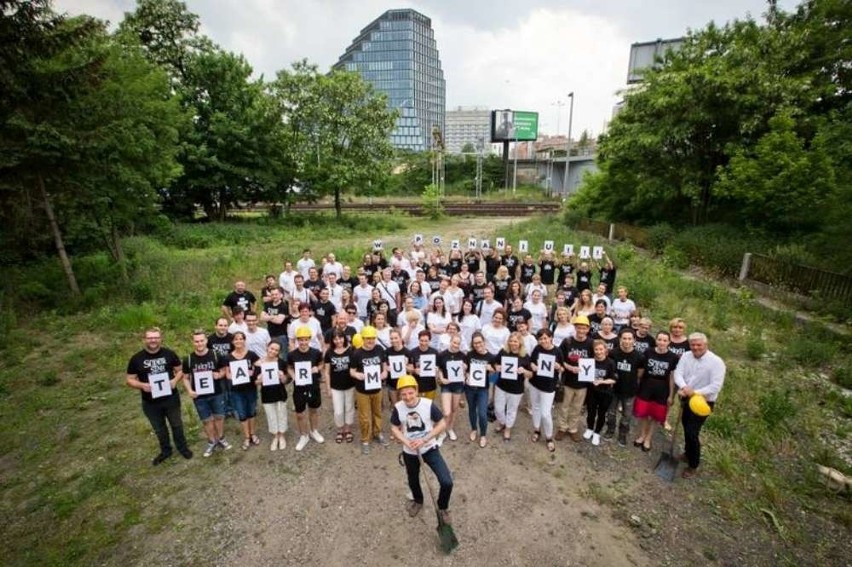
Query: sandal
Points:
[348, 436]
[339, 437]
[507, 435]
[246, 444]
[551, 446]
[255, 440]
[472, 436]
[500, 427]
[483, 441]
[535, 436]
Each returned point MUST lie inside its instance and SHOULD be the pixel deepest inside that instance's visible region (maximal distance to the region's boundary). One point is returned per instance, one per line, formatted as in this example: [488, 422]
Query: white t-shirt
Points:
[413, 339]
[257, 341]
[362, 296]
[389, 291]
[495, 338]
[333, 268]
[539, 315]
[437, 323]
[304, 265]
[234, 327]
[285, 280]
[562, 333]
[316, 331]
[486, 310]
[467, 326]
[621, 311]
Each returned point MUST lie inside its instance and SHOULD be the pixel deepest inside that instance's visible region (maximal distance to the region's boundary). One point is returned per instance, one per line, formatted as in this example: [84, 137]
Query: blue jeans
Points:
[436, 462]
[477, 408]
[210, 407]
[159, 413]
[245, 403]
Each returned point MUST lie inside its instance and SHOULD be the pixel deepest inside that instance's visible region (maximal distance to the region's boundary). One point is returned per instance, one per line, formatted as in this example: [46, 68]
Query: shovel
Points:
[666, 467]
[446, 535]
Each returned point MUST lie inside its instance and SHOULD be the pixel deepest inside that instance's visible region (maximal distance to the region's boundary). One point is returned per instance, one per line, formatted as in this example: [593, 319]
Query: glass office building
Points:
[398, 55]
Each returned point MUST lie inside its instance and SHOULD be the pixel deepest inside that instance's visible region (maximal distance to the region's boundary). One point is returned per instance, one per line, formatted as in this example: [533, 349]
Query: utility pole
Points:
[565, 184]
[480, 147]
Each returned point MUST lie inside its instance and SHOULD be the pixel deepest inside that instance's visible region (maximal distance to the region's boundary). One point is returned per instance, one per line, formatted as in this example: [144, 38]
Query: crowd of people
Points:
[484, 331]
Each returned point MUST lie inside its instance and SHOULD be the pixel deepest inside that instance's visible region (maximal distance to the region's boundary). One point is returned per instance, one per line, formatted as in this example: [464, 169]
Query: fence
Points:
[804, 280]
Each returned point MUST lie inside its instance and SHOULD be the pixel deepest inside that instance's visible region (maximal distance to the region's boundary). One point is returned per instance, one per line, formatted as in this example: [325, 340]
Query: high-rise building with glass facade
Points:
[398, 55]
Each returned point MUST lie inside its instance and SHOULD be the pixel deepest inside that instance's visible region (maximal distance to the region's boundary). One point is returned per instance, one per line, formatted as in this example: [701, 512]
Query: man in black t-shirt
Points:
[629, 370]
[276, 314]
[510, 261]
[155, 372]
[573, 349]
[220, 343]
[324, 311]
[203, 378]
[368, 366]
[240, 296]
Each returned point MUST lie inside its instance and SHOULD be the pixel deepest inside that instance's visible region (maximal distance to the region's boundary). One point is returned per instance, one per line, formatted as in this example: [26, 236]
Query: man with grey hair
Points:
[699, 371]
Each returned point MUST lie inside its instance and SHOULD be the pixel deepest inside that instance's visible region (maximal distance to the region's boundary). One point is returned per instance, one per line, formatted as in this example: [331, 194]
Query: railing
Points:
[805, 280]
[635, 234]
[595, 227]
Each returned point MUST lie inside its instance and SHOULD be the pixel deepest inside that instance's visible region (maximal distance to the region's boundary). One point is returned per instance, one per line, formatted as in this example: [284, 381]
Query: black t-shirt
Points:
[627, 365]
[348, 284]
[348, 332]
[314, 286]
[514, 316]
[474, 357]
[472, 261]
[443, 269]
[252, 358]
[645, 344]
[276, 393]
[313, 356]
[433, 281]
[501, 289]
[338, 369]
[324, 312]
[539, 380]
[361, 358]
[455, 265]
[610, 343]
[655, 382]
[143, 364]
[604, 370]
[401, 278]
[477, 292]
[369, 270]
[511, 262]
[679, 348]
[512, 386]
[547, 269]
[584, 279]
[527, 273]
[277, 329]
[395, 364]
[595, 324]
[446, 356]
[571, 295]
[244, 300]
[220, 345]
[564, 269]
[202, 363]
[573, 350]
[608, 278]
[491, 265]
[424, 383]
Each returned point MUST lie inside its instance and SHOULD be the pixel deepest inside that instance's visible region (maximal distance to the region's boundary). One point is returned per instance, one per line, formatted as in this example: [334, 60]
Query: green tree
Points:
[468, 148]
[337, 127]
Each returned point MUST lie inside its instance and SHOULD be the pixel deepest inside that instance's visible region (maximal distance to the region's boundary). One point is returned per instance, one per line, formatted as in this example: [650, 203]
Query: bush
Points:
[719, 247]
[776, 408]
[675, 258]
[430, 200]
[843, 376]
[659, 237]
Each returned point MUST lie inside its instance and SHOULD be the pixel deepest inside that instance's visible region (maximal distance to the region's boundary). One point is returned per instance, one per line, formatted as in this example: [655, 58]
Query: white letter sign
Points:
[455, 245]
[426, 366]
[302, 369]
[377, 245]
[397, 366]
[372, 377]
[587, 370]
[548, 246]
[436, 240]
[418, 239]
[568, 250]
[471, 243]
[501, 244]
[584, 252]
[203, 382]
[455, 371]
[478, 374]
[523, 246]
[546, 365]
[239, 372]
[485, 245]
[269, 373]
[509, 368]
[160, 385]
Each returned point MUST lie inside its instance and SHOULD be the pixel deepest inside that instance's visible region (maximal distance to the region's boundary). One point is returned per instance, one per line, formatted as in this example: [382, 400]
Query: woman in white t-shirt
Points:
[437, 320]
[563, 329]
[469, 323]
[538, 312]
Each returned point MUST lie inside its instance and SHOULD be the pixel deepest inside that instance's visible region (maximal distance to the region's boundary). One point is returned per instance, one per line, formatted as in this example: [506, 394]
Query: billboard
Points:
[514, 125]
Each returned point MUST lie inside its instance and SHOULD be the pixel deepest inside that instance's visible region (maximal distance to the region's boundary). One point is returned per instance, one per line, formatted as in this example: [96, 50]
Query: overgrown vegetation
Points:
[745, 126]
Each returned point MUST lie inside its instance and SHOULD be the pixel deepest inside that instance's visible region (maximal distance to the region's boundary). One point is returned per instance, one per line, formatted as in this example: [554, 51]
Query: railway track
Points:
[451, 209]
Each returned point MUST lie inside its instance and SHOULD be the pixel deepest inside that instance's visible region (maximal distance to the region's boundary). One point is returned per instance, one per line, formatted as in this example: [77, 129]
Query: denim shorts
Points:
[493, 377]
[245, 403]
[452, 388]
[210, 407]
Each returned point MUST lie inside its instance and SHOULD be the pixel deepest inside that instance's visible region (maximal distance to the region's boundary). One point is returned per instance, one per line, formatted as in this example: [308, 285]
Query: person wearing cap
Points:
[416, 422]
[369, 367]
[573, 349]
[304, 367]
[700, 372]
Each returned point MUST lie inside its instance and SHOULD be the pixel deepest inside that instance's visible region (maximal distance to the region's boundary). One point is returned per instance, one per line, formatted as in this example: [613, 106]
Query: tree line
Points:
[746, 125]
[102, 132]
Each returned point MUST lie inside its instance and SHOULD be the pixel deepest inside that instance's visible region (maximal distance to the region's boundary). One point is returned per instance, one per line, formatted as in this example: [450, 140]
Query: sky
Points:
[524, 55]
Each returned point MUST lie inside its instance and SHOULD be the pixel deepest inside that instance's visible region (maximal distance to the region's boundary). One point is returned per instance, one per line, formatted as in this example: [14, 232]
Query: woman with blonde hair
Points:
[563, 328]
[584, 305]
[513, 364]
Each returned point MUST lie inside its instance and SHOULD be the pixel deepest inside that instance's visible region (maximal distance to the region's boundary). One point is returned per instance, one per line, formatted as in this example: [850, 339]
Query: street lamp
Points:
[568, 144]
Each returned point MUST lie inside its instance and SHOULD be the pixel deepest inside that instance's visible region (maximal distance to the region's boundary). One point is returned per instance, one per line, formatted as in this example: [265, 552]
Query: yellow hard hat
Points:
[581, 320]
[699, 406]
[406, 381]
[369, 332]
[304, 333]
[357, 340]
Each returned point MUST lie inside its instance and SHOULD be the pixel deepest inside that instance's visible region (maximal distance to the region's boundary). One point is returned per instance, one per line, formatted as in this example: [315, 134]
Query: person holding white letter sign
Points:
[155, 372]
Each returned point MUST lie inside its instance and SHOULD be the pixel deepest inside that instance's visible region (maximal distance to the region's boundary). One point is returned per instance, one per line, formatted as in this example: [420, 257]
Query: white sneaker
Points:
[315, 435]
[274, 445]
[596, 439]
[452, 435]
[224, 444]
[282, 443]
[303, 442]
[588, 434]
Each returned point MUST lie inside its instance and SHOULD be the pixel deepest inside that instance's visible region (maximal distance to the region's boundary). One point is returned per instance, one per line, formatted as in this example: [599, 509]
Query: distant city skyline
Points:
[518, 55]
